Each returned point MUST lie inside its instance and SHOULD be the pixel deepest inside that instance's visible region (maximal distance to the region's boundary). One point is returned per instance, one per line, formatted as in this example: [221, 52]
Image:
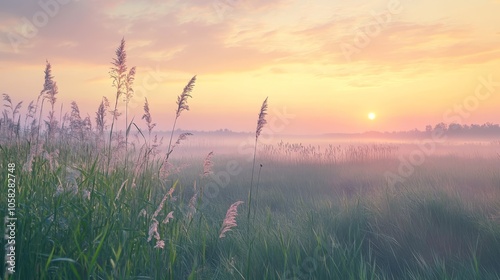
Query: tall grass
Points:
[122, 81]
[261, 121]
[182, 105]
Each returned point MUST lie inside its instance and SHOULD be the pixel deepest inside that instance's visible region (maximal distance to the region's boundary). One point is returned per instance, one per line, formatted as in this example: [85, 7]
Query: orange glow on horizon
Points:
[415, 69]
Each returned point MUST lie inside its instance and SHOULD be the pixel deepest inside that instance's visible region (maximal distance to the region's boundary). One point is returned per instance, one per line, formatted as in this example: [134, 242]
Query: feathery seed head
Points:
[230, 220]
[207, 165]
[182, 99]
[182, 137]
[262, 119]
[49, 83]
[147, 116]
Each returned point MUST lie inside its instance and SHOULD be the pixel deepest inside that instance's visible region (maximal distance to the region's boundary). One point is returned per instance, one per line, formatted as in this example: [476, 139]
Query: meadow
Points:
[97, 202]
[77, 220]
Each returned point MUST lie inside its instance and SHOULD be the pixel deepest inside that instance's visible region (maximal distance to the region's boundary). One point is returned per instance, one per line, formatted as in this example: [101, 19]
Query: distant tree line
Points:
[486, 130]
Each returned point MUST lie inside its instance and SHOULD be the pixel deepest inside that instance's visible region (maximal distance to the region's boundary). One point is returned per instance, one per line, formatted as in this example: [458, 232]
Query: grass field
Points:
[79, 219]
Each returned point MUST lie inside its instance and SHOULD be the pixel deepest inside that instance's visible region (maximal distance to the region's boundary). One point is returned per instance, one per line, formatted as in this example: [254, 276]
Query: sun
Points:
[372, 116]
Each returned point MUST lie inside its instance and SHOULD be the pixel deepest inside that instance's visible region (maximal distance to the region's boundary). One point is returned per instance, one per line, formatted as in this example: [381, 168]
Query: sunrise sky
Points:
[327, 63]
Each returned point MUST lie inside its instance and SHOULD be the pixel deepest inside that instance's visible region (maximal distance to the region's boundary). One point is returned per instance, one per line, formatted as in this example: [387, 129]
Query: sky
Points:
[324, 65]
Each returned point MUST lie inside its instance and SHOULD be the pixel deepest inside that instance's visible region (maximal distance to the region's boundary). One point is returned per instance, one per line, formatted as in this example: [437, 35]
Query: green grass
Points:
[330, 221]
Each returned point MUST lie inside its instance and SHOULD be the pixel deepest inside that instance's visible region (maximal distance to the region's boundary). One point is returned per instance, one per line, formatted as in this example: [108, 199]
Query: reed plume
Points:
[182, 99]
[129, 92]
[147, 117]
[75, 120]
[262, 119]
[181, 106]
[153, 230]
[119, 76]
[30, 114]
[165, 197]
[49, 89]
[230, 220]
[182, 137]
[12, 127]
[8, 104]
[49, 92]
[207, 165]
[100, 118]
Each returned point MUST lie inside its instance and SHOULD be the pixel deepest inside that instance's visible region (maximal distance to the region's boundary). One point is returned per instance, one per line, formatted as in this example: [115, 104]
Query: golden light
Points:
[372, 116]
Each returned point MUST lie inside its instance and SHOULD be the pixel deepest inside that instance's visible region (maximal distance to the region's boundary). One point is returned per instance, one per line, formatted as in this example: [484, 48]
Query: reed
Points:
[100, 118]
[182, 105]
[118, 74]
[260, 125]
[230, 219]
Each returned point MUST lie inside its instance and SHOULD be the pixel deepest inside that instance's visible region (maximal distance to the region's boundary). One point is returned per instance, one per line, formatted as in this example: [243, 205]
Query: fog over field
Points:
[230, 143]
